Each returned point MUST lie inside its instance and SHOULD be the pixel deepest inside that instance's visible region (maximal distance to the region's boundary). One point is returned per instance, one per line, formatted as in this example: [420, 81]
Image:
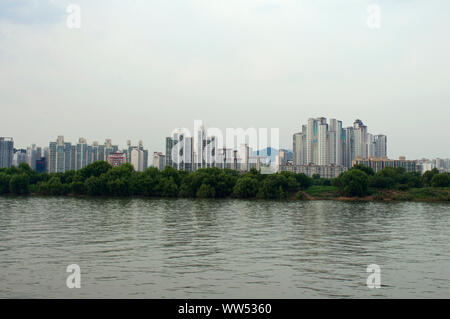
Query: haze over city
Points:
[137, 70]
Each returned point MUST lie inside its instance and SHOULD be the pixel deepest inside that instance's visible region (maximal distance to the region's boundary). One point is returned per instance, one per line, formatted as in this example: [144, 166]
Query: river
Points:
[158, 248]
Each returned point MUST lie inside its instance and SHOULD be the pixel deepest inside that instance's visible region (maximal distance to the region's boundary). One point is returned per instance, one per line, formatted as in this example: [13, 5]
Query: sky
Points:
[138, 69]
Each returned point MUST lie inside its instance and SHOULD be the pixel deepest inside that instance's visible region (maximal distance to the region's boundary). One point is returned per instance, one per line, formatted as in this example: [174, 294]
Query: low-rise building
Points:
[325, 171]
[377, 164]
[117, 159]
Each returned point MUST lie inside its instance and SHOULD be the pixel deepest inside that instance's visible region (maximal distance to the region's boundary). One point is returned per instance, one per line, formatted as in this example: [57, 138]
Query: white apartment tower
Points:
[320, 143]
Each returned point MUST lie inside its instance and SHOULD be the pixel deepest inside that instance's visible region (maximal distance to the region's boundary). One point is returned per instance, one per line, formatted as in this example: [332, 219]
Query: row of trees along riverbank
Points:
[101, 179]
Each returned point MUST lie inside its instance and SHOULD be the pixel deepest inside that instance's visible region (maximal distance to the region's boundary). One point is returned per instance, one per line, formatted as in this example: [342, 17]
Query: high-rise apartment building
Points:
[6, 151]
[380, 145]
[62, 156]
[159, 160]
[360, 139]
[137, 159]
[169, 145]
[322, 143]
[182, 151]
[20, 156]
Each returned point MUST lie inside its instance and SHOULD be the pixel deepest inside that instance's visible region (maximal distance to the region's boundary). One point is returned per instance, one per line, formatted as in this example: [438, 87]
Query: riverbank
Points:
[316, 193]
[100, 179]
[427, 194]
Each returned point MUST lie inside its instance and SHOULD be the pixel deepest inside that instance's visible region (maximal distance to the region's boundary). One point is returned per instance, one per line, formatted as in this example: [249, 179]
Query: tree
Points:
[170, 172]
[303, 180]
[78, 188]
[245, 187]
[96, 186]
[354, 182]
[366, 169]
[167, 187]
[274, 186]
[119, 187]
[4, 183]
[441, 180]
[206, 191]
[95, 169]
[19, 184]
[428, 176]
[53, 187]
[143, 184]
[301, 196]
[379, 181]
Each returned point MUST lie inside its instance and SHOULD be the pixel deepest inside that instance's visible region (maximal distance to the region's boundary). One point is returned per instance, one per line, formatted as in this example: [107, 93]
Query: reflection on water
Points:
[157, 248]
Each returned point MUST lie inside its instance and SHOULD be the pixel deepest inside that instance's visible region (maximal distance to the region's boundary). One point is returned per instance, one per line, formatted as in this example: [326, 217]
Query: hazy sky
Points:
[138, 69]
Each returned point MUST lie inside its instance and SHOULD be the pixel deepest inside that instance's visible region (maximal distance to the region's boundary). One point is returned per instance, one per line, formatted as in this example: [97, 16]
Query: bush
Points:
[428, 176]
[167, 187]
[301, 196]
[53, 187]
[274, 186]
[95, 169]
[441, 180]
[19, 184]
[118, 187]
[95, 186]
[323, 191]
[245, 187]
[206, 191]
[4, 183]
[303, 180]
[368, 170]
[402, 197]
[378, 196]
[78, 188]
[354, 182]
[379, 181]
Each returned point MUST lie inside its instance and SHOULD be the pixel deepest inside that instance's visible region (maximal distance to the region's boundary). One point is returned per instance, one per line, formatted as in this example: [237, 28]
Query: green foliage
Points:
[440, 180]
[368, 170]
[96, 186]
[354, 182]
[78, 188]
[144, 184]
[301, 196]
[95, 169]
[275, 186]
[303, 180]
[323, 191]
[4, 183]
[167, 187]
[428, 176]
[19, 184]
[222, 181]
[395, 178]
[53, 187]
[245, 187]
[100, 179]
[206, 191]
[171, 173]
[402, 197]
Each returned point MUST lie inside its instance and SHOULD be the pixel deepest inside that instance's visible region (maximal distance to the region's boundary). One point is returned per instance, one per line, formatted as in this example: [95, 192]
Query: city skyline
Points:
[145, 68]
[324, 146]
[286, 146]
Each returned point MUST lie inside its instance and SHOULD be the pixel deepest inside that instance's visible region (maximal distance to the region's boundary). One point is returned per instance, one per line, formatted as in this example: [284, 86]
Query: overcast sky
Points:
[138, 69]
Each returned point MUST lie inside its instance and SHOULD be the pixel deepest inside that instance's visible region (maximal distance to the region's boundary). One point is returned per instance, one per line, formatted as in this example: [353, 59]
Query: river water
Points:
[157, 248]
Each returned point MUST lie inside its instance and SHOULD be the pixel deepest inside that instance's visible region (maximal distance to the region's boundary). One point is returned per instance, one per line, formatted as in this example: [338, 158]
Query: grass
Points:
[323, 191]
[427, 194]
[430, 193]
